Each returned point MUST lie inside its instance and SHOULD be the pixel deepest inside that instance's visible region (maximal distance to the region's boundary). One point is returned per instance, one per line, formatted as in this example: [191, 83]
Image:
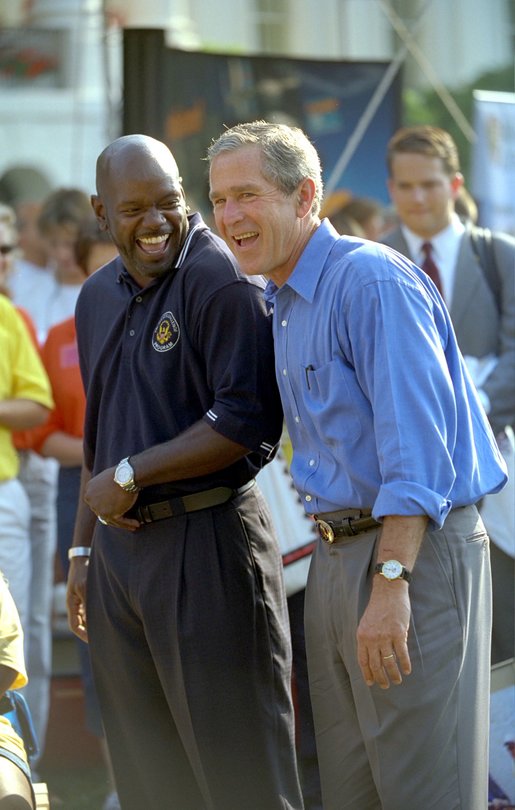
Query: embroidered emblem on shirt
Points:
[166, 334]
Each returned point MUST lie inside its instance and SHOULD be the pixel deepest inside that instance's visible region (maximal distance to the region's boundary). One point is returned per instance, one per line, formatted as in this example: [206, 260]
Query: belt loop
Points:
[144, 514]
[178, 507]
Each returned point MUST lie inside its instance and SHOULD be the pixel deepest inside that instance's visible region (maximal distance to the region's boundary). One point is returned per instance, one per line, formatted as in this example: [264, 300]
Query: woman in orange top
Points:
[61, 436]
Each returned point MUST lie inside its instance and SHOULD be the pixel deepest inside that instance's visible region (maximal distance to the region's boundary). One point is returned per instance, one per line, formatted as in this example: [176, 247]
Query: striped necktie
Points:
[429, 266]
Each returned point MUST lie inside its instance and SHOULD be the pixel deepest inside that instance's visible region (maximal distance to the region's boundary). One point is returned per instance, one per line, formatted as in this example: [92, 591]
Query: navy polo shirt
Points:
[194, 344]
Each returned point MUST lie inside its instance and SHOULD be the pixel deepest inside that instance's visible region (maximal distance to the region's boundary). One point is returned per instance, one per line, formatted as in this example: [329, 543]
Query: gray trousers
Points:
[422, 745]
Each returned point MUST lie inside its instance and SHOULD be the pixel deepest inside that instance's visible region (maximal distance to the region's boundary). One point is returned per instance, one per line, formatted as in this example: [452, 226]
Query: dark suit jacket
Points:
[480, 328]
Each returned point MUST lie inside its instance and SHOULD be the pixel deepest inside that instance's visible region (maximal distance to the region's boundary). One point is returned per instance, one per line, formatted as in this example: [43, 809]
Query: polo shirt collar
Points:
[196, 224]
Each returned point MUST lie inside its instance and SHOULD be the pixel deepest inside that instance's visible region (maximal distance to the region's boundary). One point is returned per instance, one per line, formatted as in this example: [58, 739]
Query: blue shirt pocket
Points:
[333, 401]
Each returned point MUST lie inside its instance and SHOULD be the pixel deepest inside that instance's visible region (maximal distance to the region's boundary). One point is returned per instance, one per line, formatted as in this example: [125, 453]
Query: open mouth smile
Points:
[247, 238]
[153, 245]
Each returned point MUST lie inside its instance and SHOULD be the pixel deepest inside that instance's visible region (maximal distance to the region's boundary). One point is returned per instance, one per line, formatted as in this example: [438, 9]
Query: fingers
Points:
[384, 667]
[129, 524]
[77, 619]
[78, 628]
[389, 671]
[76, 597]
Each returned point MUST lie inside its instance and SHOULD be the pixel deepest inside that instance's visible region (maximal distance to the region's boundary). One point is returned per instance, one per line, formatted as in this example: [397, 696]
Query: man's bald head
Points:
[122, 152]
[140, 201]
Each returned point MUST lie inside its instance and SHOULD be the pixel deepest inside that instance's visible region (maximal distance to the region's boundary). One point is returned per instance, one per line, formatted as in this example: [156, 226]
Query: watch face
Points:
[124, 473]
[392, 569]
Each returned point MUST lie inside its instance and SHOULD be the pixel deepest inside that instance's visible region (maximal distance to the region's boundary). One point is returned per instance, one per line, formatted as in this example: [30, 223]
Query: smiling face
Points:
[141, 202]
[265, 228]
[422, 192]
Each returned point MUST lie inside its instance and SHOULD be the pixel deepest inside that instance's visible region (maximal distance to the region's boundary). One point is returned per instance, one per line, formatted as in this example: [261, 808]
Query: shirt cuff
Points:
[243, 433]
[411, 499]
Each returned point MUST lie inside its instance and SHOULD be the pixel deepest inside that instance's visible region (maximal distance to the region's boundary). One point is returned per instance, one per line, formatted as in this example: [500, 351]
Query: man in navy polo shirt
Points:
[185, 611]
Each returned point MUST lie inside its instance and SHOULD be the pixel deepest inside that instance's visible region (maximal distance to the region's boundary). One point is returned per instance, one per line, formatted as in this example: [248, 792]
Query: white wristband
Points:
[78, 551]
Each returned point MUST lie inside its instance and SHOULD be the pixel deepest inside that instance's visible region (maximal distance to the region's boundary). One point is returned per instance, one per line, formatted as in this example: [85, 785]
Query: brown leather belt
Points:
[179, 505]
[344, 523]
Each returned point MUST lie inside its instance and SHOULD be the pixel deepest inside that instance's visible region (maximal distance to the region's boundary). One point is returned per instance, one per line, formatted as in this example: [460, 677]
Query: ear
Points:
[456, 183]
[98, 208]
[305, 197]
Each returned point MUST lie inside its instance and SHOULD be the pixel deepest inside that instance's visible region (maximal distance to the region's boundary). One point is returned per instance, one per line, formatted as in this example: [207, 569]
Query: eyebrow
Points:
[235, 189]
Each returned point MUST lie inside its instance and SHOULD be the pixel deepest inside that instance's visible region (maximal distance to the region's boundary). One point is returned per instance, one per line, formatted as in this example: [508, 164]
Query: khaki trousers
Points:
[422, 745]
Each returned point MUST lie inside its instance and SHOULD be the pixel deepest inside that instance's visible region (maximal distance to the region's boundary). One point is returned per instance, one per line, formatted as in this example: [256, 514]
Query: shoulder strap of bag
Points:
[483, 246]
[14, 706]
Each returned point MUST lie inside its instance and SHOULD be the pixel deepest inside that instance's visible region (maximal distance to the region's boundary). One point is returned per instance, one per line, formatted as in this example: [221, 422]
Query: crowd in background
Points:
[50, 242]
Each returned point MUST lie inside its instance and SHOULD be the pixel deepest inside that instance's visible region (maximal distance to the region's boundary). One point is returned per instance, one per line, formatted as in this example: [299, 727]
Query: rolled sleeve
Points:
[410, 499]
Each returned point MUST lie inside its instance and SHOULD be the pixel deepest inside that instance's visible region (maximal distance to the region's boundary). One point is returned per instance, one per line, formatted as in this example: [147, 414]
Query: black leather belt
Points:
[171, 507]
[344, 523]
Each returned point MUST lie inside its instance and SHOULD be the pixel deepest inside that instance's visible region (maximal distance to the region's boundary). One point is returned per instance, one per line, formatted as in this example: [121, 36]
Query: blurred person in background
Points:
[366, 212]
[355, 216]
[62, 213]
[60, 218]
[476, 274]
[9, 254]
[25, 400]
[25, 189]
[15, 775]
[61, 438]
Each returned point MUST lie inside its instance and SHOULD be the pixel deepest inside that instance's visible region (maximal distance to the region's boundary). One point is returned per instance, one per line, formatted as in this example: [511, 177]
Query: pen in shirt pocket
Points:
[306, 371]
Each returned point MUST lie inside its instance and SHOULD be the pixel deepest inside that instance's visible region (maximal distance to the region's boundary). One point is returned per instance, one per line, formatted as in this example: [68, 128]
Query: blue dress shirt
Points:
[378, 403]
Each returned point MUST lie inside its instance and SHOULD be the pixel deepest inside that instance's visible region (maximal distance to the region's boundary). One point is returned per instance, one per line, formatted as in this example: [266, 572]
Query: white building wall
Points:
[340, 29]
[465, 38]
[63, 129]
[227, 26]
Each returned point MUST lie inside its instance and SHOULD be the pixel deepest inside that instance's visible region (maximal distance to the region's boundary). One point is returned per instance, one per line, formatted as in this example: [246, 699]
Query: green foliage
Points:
[426, 107]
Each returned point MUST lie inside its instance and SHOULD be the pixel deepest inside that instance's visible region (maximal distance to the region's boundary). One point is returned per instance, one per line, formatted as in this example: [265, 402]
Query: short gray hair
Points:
[288, 155]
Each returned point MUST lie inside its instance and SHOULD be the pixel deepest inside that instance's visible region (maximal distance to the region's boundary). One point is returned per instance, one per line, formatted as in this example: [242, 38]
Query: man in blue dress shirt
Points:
[391, 452]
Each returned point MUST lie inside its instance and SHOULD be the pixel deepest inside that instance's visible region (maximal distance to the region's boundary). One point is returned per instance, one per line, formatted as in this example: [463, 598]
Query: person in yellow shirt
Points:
[25, 401]
[15, 778]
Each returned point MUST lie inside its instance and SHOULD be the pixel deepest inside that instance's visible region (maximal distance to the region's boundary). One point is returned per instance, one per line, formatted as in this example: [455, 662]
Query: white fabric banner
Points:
[493, 159]
[296, 532]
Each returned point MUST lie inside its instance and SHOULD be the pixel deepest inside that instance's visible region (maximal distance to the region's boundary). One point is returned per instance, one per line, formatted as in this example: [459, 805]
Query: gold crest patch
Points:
[166, 334]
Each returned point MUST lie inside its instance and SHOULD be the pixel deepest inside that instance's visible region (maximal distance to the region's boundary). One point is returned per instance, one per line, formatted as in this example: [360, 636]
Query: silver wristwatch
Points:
[124, 476]
[392, 569]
